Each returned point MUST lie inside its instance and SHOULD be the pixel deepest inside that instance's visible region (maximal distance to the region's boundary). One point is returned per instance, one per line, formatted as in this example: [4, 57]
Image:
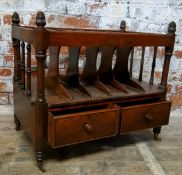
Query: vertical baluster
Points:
[18, 62]
[131, 62]
[22, 66]
[153, 66]
[15, 43]
[141, 64]
[15, 59]
[28, 70]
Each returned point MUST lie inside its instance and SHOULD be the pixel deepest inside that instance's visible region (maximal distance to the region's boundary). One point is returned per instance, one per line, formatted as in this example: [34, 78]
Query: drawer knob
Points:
[148, 117]
[88, 128]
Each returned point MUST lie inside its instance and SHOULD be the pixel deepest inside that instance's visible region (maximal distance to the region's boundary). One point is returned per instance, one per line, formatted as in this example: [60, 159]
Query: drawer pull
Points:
[148, 117]
[88, 128]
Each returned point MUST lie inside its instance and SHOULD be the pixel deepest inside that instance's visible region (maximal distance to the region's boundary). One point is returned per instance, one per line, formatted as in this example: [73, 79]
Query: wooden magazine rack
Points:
[58, 109]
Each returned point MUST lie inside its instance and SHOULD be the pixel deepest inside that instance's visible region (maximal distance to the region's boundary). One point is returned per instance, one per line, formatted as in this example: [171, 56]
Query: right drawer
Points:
[144, 116]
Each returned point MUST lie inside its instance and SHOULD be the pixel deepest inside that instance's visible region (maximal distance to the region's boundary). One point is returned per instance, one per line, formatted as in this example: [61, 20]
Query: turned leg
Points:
[17, 123]
[156, 132]
[39, 159]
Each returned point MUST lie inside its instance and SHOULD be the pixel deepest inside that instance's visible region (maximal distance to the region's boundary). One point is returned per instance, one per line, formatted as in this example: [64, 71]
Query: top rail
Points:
[81, 37]
[43, 37]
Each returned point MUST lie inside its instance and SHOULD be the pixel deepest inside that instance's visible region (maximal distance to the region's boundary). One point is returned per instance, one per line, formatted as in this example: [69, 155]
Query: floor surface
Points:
[130, 154]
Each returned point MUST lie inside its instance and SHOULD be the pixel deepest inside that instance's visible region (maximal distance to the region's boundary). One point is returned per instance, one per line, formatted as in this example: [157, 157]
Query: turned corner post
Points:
[40, 56]
[41, 108]
[168, 55]
[16, 47]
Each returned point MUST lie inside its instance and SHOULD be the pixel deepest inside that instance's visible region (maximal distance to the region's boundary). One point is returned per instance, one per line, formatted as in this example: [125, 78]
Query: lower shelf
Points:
[82, 126]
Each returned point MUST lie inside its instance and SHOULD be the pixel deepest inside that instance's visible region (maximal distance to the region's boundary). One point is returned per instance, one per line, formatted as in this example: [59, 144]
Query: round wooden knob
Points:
[88, 128]
[148, 117]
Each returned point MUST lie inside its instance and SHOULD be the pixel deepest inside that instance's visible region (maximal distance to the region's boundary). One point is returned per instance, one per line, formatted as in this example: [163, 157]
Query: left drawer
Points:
[82, 126]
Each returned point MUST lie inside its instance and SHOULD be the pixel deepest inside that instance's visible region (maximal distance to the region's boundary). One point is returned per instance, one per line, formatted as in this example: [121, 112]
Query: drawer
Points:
[144, 116]
[82, 126]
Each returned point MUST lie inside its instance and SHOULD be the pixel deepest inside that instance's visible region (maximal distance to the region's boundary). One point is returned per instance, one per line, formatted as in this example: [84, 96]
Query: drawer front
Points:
[144, 116]
[79, 127]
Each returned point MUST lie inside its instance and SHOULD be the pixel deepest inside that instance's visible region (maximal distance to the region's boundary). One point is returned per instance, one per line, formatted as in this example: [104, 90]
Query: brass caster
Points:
[17, 127]
[157, 138]
[156, 132]
[17, 123]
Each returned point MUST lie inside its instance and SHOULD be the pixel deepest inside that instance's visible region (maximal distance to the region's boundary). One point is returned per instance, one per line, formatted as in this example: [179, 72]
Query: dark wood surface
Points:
[138, 117]
[78, 127]
[63, 107]
[57, 99]
[24, 111]
[93, 38]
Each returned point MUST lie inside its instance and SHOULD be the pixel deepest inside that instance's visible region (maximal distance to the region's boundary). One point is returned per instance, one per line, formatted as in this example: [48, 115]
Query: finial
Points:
[123, 26]
[15, 19]
[40, 19]
[172, 27]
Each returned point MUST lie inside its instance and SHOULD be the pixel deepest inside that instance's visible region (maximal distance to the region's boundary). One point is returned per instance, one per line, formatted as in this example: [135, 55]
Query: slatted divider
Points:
[105, 70]
[72, 73]
[89, 74]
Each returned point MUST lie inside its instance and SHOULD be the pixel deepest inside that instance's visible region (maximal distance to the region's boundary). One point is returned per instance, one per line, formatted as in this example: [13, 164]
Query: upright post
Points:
[163, 84]
[168, 54]
[41, 109]
[16, 47]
